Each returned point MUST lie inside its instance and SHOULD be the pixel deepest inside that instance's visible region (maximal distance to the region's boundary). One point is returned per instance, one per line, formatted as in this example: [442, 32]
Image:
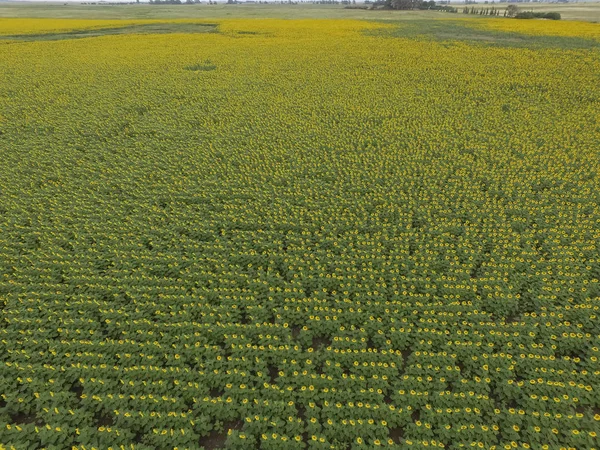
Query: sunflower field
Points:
[289, 234]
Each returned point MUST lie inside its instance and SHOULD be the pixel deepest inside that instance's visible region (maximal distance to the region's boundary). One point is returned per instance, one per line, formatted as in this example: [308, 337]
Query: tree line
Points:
[511, 11]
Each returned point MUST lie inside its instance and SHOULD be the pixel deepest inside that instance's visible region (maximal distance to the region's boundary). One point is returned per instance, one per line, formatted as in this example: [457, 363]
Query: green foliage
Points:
[206, 66]
[537, 15]
[154, 28]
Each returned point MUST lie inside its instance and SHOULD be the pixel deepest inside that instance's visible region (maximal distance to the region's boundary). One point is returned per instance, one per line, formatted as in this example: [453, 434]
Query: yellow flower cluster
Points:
[298, 233]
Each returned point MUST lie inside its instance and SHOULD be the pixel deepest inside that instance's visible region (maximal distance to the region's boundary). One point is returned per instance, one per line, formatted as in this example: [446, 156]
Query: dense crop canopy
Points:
[589, 30]
[298, 234]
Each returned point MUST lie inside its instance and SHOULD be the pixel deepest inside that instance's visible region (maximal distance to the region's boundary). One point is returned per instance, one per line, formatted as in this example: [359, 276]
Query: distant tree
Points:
[512, 10]
[405, 4]
[427, 4]
[553, 16]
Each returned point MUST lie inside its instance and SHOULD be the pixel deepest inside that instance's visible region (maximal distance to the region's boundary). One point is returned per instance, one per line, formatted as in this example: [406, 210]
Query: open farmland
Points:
[287, 234]
[583, 11]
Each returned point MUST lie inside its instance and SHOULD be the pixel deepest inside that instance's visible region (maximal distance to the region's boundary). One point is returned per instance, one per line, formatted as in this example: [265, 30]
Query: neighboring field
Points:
[586, 11]
[286, 234]
[145, 11]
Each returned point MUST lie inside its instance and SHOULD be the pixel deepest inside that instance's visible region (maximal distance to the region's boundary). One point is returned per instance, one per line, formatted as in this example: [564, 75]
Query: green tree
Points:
[405, 4]
[512, 10]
